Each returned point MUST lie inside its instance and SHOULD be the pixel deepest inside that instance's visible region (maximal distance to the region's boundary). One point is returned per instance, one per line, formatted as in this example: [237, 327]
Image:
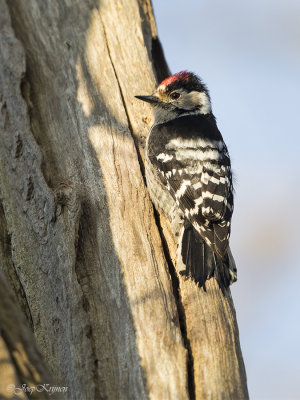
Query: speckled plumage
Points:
[189, 178]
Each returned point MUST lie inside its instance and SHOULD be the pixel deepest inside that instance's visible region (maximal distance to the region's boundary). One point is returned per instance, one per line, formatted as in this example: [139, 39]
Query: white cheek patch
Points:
[192, 100]
[205, 102]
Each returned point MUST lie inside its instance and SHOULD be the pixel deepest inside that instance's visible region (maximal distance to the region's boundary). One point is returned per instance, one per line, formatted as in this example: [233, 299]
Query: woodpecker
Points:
[189, 178]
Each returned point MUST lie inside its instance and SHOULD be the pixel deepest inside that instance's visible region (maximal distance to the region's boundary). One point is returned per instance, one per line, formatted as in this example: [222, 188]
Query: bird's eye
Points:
[175, 95]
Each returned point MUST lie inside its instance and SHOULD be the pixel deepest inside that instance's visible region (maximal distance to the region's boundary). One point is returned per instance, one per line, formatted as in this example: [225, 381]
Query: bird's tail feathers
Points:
[199, 262]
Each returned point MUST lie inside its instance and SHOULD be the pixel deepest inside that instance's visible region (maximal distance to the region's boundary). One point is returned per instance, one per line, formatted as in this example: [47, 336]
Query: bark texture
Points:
[90, 265]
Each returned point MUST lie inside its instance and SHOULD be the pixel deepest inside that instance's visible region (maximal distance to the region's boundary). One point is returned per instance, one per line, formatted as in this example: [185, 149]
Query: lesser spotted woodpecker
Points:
[188, 175]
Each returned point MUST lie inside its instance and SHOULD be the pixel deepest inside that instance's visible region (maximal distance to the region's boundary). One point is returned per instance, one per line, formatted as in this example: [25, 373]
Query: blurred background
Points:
[248, 54]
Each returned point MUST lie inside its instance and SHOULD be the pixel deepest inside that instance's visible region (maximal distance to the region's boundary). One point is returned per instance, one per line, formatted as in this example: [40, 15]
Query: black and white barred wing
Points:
[217, 207]
[199, 180]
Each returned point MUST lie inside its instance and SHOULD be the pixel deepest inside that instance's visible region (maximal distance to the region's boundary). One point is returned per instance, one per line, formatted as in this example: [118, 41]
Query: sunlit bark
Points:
[89, 264]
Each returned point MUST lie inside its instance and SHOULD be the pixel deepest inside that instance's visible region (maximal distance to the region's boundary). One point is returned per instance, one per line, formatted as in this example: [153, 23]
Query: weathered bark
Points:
[85, 258]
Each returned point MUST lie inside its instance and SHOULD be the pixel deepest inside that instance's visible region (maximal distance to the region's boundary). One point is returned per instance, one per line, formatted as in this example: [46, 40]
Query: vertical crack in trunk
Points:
[171, 268]
[137, 145]
[80, 273]
[180, 310]
[160, 69]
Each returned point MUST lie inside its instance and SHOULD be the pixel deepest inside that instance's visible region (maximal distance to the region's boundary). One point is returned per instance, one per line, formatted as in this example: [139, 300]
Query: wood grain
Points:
[89, 262]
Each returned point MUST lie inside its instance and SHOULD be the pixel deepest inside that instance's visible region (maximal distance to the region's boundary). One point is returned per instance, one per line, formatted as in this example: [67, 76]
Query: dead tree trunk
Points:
[90, 265]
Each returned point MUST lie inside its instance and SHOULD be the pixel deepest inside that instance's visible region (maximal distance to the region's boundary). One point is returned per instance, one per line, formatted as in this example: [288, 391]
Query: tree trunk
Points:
[90, 264]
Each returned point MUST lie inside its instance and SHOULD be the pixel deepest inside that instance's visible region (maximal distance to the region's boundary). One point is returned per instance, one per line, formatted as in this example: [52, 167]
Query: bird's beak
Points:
[149, 99]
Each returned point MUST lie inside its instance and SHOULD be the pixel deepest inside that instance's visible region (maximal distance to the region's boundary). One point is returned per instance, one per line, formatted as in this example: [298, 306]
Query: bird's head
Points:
[180, 94]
